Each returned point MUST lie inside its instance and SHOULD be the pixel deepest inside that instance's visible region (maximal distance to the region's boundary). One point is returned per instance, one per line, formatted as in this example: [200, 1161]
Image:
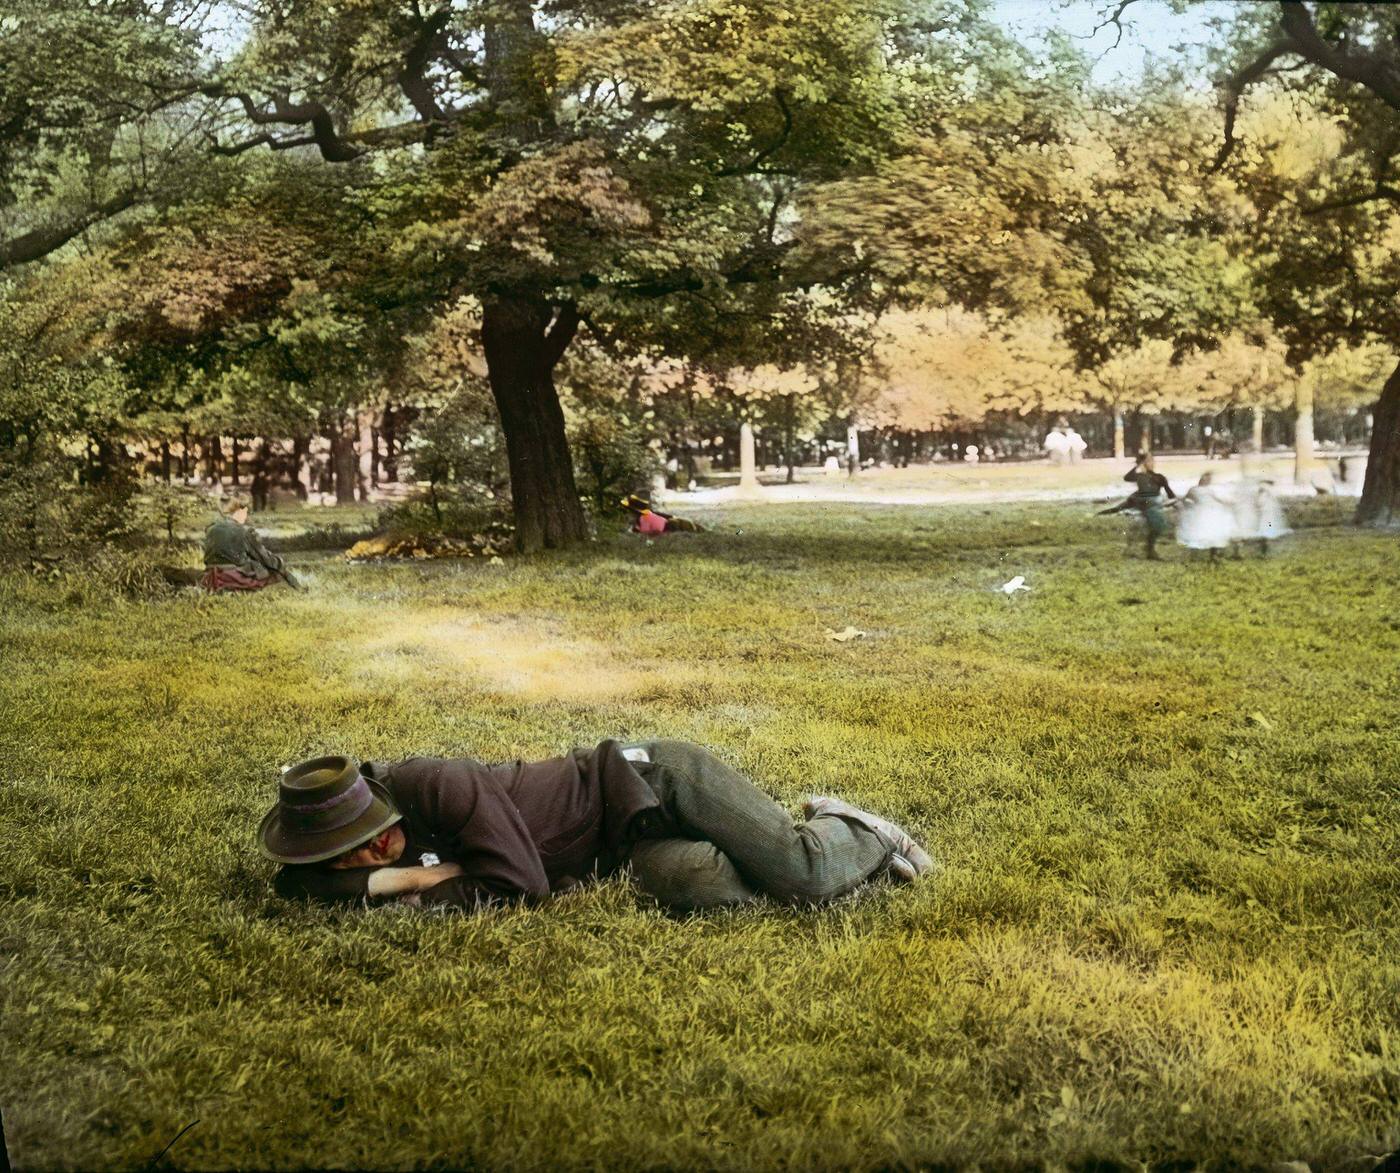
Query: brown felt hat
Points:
[324, 807]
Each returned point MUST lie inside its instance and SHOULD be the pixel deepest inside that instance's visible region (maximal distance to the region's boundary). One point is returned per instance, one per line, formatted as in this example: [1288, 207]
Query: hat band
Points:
[314, 817]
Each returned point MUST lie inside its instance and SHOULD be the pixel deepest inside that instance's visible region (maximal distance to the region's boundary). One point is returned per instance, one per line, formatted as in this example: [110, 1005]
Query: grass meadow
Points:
[1165, 797]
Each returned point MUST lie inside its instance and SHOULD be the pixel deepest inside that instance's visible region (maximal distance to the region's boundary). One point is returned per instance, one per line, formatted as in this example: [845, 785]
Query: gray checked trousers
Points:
[717, 839]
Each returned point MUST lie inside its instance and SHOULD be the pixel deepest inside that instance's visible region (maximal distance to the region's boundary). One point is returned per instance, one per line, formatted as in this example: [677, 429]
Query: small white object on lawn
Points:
[848, 633]
[1016, 584]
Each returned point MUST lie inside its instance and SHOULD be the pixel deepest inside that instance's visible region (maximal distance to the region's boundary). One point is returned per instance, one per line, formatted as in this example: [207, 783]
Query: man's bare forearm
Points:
[405, 881]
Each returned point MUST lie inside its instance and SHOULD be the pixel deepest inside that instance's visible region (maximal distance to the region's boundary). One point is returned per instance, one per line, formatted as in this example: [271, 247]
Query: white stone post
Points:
[1303, 462]
[748, 478]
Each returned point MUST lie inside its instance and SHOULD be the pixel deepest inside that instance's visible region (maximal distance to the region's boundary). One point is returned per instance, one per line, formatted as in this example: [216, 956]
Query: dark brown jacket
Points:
[521, 830]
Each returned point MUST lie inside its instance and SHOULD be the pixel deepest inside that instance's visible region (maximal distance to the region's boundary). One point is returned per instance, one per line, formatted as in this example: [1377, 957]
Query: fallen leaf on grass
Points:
[1011, 586]
[1262, 721]
[845, 635]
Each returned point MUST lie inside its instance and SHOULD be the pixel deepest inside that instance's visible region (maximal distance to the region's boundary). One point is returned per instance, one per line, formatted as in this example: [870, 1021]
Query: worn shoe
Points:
[909, 862]
[902, 870]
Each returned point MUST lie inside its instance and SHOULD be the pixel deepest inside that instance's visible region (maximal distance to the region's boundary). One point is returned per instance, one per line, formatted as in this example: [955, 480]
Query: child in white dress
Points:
[1258, 515]
[1207, 518]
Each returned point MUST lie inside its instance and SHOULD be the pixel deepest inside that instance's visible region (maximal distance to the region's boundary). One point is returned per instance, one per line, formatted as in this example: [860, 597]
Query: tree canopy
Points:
[264, 215]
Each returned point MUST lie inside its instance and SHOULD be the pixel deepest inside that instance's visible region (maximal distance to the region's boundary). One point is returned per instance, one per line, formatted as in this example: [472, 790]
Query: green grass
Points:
[1165, 796]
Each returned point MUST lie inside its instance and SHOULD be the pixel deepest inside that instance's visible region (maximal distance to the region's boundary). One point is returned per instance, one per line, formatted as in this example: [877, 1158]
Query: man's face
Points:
[378, 852]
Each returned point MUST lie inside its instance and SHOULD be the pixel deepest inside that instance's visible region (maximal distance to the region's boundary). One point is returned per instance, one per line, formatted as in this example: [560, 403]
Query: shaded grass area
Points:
[1166, 798]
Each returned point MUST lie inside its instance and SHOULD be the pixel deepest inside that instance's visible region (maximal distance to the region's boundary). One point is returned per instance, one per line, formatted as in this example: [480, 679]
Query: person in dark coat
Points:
[460, 833]
[235, 558]
[1147, 500]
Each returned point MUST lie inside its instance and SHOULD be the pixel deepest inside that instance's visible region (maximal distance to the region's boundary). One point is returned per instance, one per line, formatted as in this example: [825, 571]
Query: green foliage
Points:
[1164, 931]
[1349, 377]
[456, 447]
[166, 512]
[612, 458]
[455, 514]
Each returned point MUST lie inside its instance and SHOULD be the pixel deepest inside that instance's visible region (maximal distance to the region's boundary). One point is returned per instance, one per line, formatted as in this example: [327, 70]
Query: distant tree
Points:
[1329, 217]
[952, 367]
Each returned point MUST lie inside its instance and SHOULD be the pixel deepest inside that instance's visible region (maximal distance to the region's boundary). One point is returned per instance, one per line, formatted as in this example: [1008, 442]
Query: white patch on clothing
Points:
[636, 753]
[429, 859]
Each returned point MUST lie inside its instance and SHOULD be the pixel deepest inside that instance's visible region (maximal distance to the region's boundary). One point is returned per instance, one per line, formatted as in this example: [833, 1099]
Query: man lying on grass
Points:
[460, 833]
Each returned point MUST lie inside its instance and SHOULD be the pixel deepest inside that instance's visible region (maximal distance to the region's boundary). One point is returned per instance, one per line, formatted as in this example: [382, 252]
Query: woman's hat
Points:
[324, 807]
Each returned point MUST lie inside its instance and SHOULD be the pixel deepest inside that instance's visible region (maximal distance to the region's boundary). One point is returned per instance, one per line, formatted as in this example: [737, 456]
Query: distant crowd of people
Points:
[1064, 444]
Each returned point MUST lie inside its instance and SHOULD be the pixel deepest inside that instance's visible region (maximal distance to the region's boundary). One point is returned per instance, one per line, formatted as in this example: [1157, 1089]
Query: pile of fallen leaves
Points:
[491, 543]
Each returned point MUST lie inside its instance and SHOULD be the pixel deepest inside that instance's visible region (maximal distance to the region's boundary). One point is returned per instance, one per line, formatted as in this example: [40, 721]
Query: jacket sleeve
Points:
[324, 885]
[1131, 474]
[1166, 488]
[476, 825]
[260, 553]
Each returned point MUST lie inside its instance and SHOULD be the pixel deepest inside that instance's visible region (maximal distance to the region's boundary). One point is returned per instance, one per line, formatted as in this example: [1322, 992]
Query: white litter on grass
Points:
[845, 635]
[1016, 584]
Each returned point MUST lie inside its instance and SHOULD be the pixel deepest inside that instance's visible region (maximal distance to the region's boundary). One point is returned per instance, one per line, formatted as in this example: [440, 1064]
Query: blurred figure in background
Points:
[1258, 515]
[235, 558]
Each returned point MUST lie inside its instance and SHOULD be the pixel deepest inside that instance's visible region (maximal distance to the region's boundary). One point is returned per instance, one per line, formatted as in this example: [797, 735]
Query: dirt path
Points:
[949, 484]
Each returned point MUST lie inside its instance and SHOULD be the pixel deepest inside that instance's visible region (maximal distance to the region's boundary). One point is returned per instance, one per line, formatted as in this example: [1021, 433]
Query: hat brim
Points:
[281, 844]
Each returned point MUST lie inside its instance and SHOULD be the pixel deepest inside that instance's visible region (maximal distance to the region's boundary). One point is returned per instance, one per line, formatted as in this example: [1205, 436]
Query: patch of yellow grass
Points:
[531, 659]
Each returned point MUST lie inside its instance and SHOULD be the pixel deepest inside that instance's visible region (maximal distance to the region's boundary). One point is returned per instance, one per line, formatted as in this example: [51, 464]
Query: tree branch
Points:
[1116, 20]
[776, 144]
[265, 139]
[1377, 73]
[334, 149]
[411, 76]
[31, 246]
[1382, 191]
[1235, 88]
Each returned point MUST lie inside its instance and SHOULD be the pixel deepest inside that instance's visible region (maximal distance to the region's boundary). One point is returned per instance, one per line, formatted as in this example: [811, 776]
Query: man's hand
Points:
[405, 881]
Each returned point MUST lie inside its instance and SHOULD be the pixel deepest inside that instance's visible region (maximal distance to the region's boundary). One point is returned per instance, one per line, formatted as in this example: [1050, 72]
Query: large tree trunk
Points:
[364, 471]
[1119, 444]
[391, 455]
[521, 349]
[301, 467]
[344, 464]
[789, 437]
[258, 489]
[1380, 495]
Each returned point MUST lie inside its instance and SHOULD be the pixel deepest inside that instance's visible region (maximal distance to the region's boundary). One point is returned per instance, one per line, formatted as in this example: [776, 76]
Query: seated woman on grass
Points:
[235, 558]
[459, 833]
